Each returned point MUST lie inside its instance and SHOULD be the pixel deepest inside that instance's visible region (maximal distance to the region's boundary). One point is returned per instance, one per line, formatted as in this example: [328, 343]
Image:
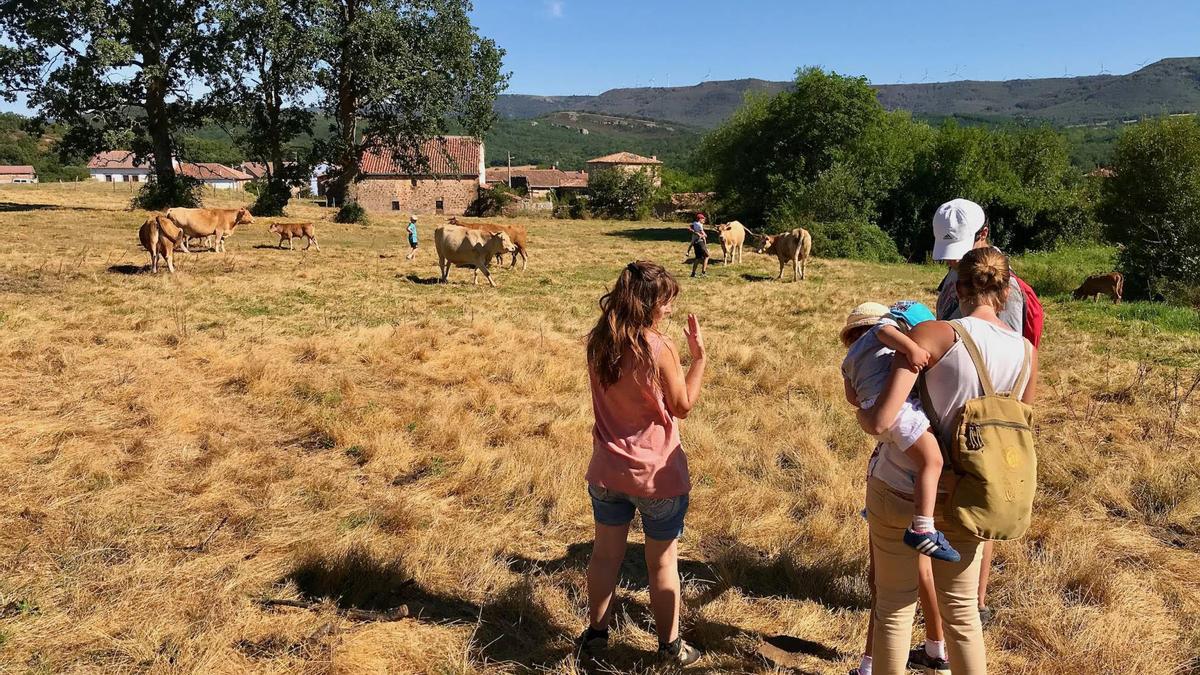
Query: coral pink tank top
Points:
[635, 441]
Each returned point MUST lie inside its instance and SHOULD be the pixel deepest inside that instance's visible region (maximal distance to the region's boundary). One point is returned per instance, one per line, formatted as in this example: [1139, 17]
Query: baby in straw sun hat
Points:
[873, 334]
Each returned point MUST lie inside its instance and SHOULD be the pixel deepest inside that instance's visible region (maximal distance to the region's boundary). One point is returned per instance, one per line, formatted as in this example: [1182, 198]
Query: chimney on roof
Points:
[654, 157]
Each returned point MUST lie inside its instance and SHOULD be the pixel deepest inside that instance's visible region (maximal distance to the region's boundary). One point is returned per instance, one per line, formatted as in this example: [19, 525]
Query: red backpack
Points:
[1031, 324]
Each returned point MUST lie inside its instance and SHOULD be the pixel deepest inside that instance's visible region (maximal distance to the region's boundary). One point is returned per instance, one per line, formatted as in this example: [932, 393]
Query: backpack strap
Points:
[1026, 370]
[985, 380]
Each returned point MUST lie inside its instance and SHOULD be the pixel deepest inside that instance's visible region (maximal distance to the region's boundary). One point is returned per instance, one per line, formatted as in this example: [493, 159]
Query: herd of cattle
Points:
[476, 245]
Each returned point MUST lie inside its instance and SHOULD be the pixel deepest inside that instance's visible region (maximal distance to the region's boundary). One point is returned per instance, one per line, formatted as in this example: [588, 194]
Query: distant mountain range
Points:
[1165, 87]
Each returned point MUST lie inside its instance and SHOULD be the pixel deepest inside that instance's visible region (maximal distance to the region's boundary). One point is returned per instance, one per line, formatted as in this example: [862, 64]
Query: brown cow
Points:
[1111, 284]
[287, 231]
[518, 234]
[220, 223]
[794, 246]
[159, 236]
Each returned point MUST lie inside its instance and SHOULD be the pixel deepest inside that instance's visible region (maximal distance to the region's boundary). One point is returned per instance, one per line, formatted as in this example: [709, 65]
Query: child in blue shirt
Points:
[412, 237]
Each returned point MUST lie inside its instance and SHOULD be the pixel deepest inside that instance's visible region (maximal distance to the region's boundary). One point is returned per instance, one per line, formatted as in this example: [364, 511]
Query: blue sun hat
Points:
[909, 313]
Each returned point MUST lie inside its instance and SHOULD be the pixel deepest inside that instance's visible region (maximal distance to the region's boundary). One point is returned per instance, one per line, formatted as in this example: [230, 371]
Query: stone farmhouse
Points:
[540, 185]
[18, 173]
[455, 173]
[629, 163]
[118, 166]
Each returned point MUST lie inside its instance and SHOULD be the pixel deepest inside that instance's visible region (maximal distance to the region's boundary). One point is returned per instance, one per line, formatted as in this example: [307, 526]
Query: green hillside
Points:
[559, 138]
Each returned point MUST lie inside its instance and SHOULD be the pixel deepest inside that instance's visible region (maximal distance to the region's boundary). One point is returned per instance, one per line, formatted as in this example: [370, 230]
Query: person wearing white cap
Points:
[960, 225]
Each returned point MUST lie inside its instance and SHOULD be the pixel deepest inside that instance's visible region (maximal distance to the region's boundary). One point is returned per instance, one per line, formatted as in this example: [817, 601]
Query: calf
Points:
[159, 235]
[794, 246]
[288, 231]
[1111, 284]
[517, 233]
[461, 247]
[733, 237]
[219, 223]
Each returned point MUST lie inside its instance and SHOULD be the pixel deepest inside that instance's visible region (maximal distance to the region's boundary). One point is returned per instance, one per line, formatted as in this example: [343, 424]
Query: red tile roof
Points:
[540, 178]
[16, 170]
[257, 169]
[211, 171]
[624, 158]
[115, 159]
[449, 156]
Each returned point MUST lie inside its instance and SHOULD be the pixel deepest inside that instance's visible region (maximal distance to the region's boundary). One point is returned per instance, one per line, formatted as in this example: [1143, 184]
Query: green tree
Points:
[117, 71]
[1152, 206]
[397, 72]
[619, 194]
[269, 72]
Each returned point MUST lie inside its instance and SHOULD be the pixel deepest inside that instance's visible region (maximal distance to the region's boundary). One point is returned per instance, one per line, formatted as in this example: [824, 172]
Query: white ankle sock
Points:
[922, 524]
[936, 649]
[864, 666]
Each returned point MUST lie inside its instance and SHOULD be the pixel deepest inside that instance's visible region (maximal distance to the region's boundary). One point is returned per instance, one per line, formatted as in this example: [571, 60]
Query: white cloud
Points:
[555, 8]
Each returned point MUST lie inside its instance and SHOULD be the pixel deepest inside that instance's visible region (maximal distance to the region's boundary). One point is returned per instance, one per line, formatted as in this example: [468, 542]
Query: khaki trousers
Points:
[889, 514]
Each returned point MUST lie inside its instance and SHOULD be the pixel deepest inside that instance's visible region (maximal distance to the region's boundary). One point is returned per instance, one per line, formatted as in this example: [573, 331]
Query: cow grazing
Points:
[733, 237]
[159, 236]
[1111, 284]
[288, 231]
[218, 223]
[462, 247]
[518, 234]
[794, 246]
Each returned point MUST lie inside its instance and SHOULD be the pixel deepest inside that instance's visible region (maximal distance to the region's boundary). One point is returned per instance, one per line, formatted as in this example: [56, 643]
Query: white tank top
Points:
[953, 381]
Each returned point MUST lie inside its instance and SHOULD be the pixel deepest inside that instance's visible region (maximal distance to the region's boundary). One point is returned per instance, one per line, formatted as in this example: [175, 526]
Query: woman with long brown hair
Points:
[639, 394]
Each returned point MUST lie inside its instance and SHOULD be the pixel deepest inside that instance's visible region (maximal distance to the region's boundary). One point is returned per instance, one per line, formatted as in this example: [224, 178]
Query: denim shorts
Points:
[662, 519]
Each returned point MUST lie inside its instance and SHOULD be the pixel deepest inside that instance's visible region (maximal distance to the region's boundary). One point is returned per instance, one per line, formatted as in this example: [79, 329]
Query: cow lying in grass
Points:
[1111, 284]
[461, 247]
[794, 247]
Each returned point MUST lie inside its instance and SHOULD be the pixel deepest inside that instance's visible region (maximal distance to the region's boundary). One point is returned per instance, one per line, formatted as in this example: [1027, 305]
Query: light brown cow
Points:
[733, 237]
[794, 246]
[220, 223]
[518, 234]
[159, 236]
[1111, 284]
[288, 231]
[461, 247]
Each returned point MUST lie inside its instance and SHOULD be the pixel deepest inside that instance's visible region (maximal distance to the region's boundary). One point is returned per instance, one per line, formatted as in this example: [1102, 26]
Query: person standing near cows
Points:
[412, 237]
[699, 245]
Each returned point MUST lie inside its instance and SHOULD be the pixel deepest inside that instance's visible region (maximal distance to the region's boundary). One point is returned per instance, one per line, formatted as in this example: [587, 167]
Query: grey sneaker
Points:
[678, 653]
[918, 658]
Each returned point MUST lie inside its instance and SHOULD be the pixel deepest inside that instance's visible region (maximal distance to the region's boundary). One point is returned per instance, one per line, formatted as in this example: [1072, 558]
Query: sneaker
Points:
[678, 653]
[986, 614]
[918, 658]
[932, 544]
[591, 641]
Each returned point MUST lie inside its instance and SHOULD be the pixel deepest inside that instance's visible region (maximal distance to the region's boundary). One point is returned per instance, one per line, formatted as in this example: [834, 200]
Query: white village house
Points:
[118, 166]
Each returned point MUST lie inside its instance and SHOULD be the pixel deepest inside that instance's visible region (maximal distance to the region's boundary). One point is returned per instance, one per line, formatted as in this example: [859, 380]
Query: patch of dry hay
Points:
[280, 424]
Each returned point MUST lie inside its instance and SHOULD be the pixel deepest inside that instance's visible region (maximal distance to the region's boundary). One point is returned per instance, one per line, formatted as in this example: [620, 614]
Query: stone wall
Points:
[421, 195]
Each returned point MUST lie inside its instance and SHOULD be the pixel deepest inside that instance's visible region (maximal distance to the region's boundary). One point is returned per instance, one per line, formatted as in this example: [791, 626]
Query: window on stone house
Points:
[395, 206]
[440, 207]
[414, 182]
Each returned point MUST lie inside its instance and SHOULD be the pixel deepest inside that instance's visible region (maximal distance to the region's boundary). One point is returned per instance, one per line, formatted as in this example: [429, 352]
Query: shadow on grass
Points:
[748, 276]
[11, 207]
[512, 627]
[269, 247]
[679, 234]
[126, 268]
[417, 279]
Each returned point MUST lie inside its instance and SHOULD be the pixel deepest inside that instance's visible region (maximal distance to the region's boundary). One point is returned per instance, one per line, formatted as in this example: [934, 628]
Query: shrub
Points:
[620, 195]
[854, 239]
[492, 201]
[273, 197]
[351, 212]
[159, 195]
[1150, 206]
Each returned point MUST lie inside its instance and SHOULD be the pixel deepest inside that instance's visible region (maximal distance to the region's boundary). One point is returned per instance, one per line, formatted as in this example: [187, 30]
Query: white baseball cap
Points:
[955, 225]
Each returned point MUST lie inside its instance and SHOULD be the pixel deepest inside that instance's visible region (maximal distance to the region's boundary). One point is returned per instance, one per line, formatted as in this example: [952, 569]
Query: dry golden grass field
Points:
[273, 424]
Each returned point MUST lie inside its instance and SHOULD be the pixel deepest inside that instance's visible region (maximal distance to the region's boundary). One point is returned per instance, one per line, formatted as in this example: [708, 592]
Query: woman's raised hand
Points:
[694, 337]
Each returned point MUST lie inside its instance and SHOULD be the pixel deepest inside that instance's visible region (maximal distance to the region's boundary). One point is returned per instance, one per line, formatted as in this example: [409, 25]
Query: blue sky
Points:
[588, 46]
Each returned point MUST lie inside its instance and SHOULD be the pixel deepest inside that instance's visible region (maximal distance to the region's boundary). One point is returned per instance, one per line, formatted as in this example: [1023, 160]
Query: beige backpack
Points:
[991, 455]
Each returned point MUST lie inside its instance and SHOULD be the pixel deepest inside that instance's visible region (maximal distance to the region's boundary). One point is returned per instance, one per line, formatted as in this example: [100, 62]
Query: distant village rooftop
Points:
[624, 158]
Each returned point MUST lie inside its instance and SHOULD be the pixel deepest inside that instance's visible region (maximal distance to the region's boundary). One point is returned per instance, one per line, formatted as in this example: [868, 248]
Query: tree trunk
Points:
[159, 124]
[347, 108]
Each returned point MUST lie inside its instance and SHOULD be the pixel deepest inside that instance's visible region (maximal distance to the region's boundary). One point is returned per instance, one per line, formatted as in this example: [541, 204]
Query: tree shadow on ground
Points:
[679, 234]
[512, 627]
[12, 207]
